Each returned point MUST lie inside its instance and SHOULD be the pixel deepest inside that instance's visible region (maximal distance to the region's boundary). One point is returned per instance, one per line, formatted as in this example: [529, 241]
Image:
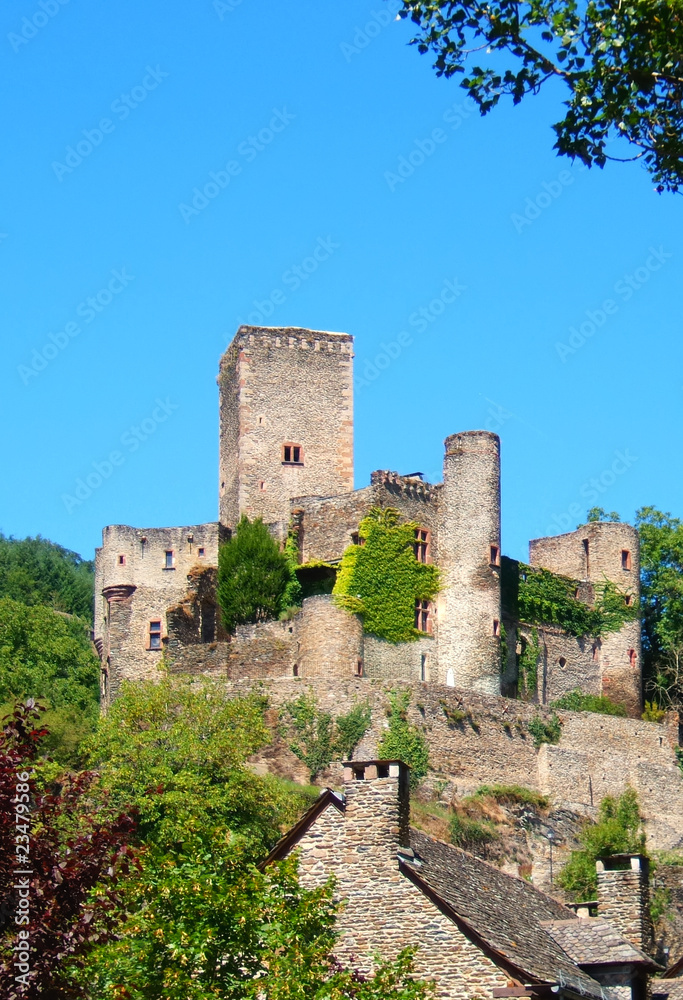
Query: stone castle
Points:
[286, 455]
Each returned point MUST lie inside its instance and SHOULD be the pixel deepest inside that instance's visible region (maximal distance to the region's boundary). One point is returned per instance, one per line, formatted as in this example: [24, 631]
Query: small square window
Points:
[122, 560]
[200, 553]
[292, 454]
[168, 559]
[625, 559]
[155, 635]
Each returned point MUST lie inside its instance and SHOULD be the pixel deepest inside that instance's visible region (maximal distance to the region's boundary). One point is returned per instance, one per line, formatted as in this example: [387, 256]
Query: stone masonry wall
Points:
[623, 898]
[329, 640]
[403, 661]
[581, 668]
[385, 912]
[278, 386]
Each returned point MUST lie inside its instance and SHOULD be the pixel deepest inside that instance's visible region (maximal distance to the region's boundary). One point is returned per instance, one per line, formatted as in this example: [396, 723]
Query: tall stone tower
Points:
[595, 552]
[286, 421]
[469, 558]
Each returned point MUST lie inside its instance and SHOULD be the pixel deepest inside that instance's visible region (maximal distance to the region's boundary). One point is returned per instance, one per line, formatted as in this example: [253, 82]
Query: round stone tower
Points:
[469, 559]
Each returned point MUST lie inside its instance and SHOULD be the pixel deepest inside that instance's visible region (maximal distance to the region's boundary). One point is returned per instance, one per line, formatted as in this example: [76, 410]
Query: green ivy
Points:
[381, 579]
[539, 597]
[527, 669]
[576, 701]
[402, 740]
[315, 737]
[545, 732]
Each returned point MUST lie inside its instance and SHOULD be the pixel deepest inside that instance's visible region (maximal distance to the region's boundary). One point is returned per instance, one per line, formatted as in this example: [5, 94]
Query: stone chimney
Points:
[377, 814]
[623, 896]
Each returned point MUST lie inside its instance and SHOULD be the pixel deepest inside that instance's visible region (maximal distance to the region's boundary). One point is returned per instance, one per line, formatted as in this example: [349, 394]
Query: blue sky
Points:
[339, 134]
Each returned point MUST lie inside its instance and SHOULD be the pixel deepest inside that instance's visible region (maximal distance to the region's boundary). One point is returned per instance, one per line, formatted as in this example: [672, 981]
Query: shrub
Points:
[256, 581]
[402, 740]
[545, 732]
[512, 794]
[315, 737]
[653, 713]
[576, 701]
[470, 833]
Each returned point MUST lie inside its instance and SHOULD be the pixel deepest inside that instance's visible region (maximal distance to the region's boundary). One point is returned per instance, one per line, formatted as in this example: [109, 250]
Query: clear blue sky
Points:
[183, 87]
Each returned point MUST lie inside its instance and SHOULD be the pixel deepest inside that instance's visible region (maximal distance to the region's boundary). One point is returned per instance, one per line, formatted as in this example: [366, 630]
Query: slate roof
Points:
[595, 941]
[506, 913]
[667, 989]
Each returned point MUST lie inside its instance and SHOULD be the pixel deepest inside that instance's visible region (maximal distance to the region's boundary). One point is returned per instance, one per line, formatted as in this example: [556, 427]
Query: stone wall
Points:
[403, 661]
[329, 640]
[623, 898]
[257, 652]
[385, 912]
[279, 386]
[566, 662]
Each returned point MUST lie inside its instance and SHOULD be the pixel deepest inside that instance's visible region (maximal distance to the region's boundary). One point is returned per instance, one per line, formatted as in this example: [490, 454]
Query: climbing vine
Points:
[381, 579]
[315, 737]
[539, 597]
[527, 668]
[403, 740]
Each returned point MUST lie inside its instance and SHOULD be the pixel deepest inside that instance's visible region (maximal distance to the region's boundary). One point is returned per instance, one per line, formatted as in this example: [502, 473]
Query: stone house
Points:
[286, 455]
[479, 932]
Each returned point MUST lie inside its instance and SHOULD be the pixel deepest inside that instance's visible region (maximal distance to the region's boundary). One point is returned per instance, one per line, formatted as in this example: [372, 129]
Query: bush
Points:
[36, 571]
[576, 701]
[617, 831]
[402, 740]
[316, 738]
[470, 833]
[512, 794]
[545, 732]
[256, 581]
[653, 713]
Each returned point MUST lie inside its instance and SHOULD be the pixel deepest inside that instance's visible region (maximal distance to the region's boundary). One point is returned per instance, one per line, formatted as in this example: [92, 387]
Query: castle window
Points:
[155, 635]
[596, 650]
[496, 627]
[423, 616]
[632, 658]
[625, 559]
[562, 662]
[421, 545]
[168, 559]
[495, 556]
[295, 670]
[359, 668]
[423, 667]
[292, 454]
[628, 600]
[586, 553]
[122, 560]
[200, 553]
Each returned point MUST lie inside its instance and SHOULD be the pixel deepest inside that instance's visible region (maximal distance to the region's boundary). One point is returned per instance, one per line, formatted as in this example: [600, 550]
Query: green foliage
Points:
[617, 831]
[539, 597]
[576, 701]
[652, 713]
[621, 65]
[36, 571]
[660, 903]
[470, 834]
[527, 667]
[316, 738]
[256, 581]
[513, 795]
[545, 732]
[661, 580]
[382, 579]
[402, 740]
[49, 657]
[600, 514]
[456, 716]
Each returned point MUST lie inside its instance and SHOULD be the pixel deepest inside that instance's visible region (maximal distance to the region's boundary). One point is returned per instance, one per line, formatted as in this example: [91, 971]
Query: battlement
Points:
[288, 337]
[409, 487]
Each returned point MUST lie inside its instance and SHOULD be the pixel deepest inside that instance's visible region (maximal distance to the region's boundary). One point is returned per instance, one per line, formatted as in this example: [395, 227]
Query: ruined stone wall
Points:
[468, 607]
[402, 661]
[137, 587]
[325, 524]
[566, 662]
[595, 552]
[329, 640]
[385, 912]
[256, 652]
[278, 386]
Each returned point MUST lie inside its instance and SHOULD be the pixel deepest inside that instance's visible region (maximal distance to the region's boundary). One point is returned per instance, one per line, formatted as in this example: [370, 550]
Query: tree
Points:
[600, 514]
[661, 579]
[255, 578]
[620, 62]
[617, 831]
[205, 921]
[37, 571]
[59, 912]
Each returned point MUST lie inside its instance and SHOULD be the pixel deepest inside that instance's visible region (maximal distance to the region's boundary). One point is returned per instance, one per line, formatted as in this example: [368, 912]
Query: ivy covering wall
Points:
[381, 579]
[539, 597]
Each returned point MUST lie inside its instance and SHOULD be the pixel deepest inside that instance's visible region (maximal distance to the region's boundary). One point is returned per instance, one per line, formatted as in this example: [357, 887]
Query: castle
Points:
[286, 455]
